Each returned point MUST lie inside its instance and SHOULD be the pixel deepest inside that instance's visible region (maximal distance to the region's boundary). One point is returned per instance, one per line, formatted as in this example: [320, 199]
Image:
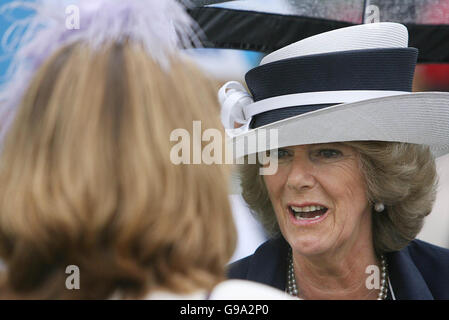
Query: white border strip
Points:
[358, 37]
[311, 98]
[391, 290]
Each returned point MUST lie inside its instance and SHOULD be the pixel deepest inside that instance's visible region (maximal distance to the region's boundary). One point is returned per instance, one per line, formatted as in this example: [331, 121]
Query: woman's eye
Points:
[329, 153]
[280, 153]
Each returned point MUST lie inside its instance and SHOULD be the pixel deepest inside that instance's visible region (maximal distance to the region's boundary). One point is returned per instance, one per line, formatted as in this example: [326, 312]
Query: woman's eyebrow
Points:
[285, 148]
[329, 144]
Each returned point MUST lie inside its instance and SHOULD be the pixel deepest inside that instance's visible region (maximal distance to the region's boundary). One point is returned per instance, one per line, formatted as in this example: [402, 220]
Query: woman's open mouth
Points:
[308, 213]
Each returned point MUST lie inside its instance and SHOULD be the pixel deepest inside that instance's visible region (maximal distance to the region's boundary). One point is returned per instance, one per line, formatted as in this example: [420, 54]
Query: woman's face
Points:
[319, 197]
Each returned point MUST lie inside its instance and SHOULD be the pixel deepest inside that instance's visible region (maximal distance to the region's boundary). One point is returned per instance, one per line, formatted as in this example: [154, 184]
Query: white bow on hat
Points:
[233, 98]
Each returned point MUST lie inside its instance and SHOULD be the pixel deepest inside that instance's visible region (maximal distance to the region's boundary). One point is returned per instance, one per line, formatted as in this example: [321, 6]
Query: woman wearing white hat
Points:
[355, 171]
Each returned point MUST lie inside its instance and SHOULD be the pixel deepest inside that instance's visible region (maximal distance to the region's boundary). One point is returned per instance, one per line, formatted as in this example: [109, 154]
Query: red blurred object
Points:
[436, 75]
[437, 12]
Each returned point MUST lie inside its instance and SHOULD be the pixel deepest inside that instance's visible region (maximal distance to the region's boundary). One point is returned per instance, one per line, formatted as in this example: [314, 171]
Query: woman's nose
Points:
[301, 174]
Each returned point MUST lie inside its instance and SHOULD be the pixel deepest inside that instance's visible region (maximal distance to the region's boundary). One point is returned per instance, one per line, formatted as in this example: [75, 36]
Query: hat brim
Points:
[419, 118]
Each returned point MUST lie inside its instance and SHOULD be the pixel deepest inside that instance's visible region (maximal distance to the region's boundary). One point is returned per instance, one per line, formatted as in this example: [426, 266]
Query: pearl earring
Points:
[379, 207]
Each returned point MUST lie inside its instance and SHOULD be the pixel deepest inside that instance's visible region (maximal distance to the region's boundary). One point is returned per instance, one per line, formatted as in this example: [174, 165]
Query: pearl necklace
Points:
[292, 288]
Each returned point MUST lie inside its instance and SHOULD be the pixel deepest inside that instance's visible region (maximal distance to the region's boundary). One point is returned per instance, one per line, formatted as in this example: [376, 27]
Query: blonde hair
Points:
[86, 180]
[400, 175]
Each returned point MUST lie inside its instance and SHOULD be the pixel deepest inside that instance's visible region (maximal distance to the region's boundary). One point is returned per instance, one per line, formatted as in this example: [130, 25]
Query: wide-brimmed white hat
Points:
[349, 84]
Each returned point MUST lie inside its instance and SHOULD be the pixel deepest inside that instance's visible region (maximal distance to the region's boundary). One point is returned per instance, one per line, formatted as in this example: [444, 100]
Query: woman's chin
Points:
[309, 246]
[309, 241]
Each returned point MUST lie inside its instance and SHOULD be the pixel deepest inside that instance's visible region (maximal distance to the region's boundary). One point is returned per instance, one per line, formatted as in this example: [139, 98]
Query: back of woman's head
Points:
[86, 179]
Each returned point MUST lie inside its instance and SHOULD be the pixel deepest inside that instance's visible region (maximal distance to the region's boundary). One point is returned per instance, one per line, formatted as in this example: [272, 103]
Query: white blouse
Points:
[227, 290]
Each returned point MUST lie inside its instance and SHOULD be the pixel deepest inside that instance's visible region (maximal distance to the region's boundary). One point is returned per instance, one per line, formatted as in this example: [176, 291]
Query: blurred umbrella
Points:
[267, 25]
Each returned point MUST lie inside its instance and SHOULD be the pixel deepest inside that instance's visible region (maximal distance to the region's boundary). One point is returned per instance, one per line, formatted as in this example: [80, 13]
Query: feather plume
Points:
[162, 27]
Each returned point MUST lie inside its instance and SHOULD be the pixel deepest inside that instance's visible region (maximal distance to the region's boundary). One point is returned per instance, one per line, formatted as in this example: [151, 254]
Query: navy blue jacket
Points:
[419, 271]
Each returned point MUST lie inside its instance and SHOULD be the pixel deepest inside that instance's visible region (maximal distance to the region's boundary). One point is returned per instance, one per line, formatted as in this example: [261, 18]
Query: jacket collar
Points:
[269, 266]
[269, 263]
[406, 280]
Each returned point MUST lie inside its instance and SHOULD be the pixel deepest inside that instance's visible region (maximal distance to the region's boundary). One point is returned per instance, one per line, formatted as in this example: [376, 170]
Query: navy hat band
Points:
[368, 69]
[268, 117]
